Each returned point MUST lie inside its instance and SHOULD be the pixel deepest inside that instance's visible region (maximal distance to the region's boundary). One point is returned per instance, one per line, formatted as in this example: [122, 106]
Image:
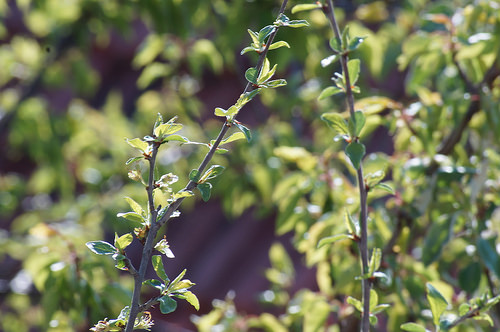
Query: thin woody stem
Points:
[135, 307]
[363, 242]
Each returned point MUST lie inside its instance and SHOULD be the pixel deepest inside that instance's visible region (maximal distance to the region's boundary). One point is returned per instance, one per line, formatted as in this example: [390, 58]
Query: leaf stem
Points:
[363, 243]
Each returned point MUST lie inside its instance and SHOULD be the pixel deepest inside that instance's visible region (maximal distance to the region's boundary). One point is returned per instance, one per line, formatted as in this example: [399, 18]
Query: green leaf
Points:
[159, 268]
[138, 144]
[355, 151]
[251, 75]
[489, 256]
[372, 179]
[231, 111]
[266, 73]
[168, 128]
[232, 138]
[412, 327]
[437, 303]
[177, 138]
[355, 303]
[279, 44]
[212, 172]
[297, 24]
[275, 83]
[167, 304]
[192, 299]
[136, 207]
[380, 308]
[132, 216]
[335, 45]
[332, 239]
[375, 261]
[355, 42]
[248, 49]
[205, 190]
[386, 187]
[336, 122]
[438, 236]
[121, 261]
[353, 69]
[356, 123]
[123, 241]
[305, 6]
[265, 32]
[101, 248]
[177, 279]
[194, 175]
[134, 159]
[254, 36]
[351, 224]
[244, 130]
[154, 283]
[470, 277]
[329, 91]
[345, 37]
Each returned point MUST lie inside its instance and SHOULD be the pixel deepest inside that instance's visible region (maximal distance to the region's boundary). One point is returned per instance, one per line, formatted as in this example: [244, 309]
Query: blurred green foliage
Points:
[63, 121]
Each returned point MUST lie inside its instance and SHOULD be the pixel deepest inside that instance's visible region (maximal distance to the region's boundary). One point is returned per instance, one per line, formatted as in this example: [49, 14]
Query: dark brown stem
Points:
[363, 243]
[155, 225]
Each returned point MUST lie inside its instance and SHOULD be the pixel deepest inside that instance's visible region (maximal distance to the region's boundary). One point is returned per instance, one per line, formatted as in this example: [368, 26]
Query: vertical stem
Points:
[363, 243]
[148, 245]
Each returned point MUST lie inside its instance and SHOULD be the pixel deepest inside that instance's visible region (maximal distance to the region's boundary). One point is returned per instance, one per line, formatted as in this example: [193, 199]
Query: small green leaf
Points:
[353, 69]
[355, 151]
[332, 239]
[279, 44]
[355, 42]
[356, 123]
[380, 308]
[275, 83]
[305, 6]
[412, 327]
[248, 49]
[167, 304]
[297, 24]
[159, 268]
[138, 144]
[123, 241]
[266, 73]
[372, 179]
[136, 207]
[375, 261]
[345, 37]
[132, 216]
[251, 75]
[233, 137]
[154, 283]
[351, 224]
[489, 256]
[192, 299]
[355, 303]
[254, 36]
[222, 112]
[134, 159]
[212, 172]
[168, 128]
[177, 279]
[335, 45]
[205, 190]
[265, 32]
[437, 303]
[386, 187]
[329, 91]
[336, 122]
[194, 175]
[244, 130]
[101, 248]
[121, 261]
[177, 138]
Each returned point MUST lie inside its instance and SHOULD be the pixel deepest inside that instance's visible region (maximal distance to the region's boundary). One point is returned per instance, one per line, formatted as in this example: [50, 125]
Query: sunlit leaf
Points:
[167, 304]
[159, 268]
[101, 247]
[437, 303]
[355, 151]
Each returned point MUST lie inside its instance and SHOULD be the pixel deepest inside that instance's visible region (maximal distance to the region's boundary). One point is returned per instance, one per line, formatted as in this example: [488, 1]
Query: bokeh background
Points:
[77, 77]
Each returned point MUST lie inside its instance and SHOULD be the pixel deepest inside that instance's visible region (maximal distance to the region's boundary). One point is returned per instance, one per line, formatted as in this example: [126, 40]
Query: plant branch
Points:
[363, 243]
[156, 224]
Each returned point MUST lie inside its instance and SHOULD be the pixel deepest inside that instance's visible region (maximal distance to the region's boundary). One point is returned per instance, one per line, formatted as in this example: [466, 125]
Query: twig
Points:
[363, 242]
[155, 225]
